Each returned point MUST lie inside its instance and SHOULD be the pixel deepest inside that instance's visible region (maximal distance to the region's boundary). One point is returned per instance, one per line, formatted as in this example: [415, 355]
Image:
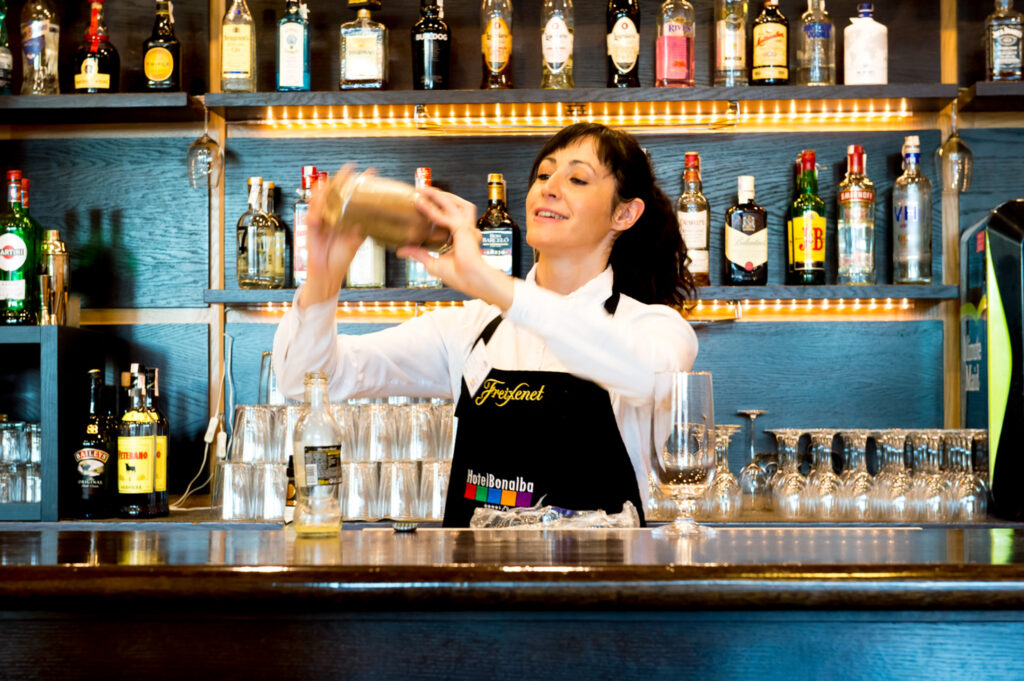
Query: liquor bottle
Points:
[805, 229]
[416, 275]
[293, 48]
[97, 64]
[317, 463]
[816, 46]
[282, 240]
[865, 49]
[912, 219]
[1004, 42]
[163, 432]
[770, 61]
[856, 224]
[161, 52]
[299, 253]
[673, 53]
[746, 238]
[500, 243]
[731, 43]
[25, 185]
[6, 58]
[255, 241]
[95, 467]
[623, 43]
[496, 44]
[136, 457]
[40, 40]
[694, 215]
[368, 267]
[19, 255]
[431, 49]
[364, 53]
[557, 32]
[238, 49]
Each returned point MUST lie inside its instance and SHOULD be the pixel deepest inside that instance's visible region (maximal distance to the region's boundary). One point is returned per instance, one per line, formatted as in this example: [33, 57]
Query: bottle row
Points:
[120, 464]
[746, 51]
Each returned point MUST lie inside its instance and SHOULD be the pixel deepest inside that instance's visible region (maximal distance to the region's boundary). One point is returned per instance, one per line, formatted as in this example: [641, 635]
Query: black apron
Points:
[532, 434]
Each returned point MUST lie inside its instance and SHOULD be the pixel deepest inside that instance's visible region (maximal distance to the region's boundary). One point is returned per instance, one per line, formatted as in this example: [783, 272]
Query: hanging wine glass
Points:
[205, 157]
[722, 498]
[955, 160]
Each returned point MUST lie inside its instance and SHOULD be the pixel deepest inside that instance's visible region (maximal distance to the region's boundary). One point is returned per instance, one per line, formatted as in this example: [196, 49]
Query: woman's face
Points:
[570, 206]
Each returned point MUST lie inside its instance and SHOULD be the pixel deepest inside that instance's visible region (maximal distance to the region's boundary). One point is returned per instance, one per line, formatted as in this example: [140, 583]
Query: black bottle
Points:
[161, 53]
[95, 459]
[97, 65]
[623, 43]
[431, 49]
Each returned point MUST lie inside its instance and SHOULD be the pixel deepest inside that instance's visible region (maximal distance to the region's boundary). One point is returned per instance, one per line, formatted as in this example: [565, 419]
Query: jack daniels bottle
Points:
[95, 459]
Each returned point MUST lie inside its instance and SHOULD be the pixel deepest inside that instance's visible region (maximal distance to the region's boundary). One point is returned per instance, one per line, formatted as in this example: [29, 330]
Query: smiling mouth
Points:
[549, 214]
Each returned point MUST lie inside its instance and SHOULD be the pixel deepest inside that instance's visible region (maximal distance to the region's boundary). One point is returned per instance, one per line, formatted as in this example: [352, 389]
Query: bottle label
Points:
[730, 45]
[496, 247]
[236, 56]
[746, 250]
[866, 54]
[910, 233]
[135, 464]
[33, 39]
[367, 267]
[12, 290]
[300, 254]
[556, 44]
[362, 57]
[624, 45]
[496, 43]
[92, 463]
[694, 228]
[770, 57]
[818, 31]
[13, 252]
[6, 67]
[158, 64]
[672, 52]
[321, 465]
[1006, 48]
[160, 476]
[291, 57]
[90, 78]
[277, 265]
[806, 241]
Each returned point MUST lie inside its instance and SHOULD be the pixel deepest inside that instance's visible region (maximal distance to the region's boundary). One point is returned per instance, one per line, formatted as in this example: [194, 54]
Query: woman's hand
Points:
[462, 267]
[330, 252]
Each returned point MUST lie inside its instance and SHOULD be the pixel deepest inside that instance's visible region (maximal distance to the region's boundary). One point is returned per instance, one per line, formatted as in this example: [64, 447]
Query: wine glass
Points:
[682, 442]
[722, 498]
[788, 483]
[205, 157]
[855, 480]
[753, 478]
[955, 159]
[820, 497]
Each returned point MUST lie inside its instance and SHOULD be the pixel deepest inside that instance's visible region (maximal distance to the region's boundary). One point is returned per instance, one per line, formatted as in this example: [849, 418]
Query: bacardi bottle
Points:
[805, 229]
[856, 224]
[19, 259]
[694, 215]
[97, 64]
[431, 49]
[1004, 42]
[912, 219]
[500, 244]
[293, 47]
[623, 43]
[161, 53]
[771, 47]
[40, 40]
[496, 44]
[95, 460]
[746, 238]
[731, 43]
[558, 28]
[238, 49]
[317, 463]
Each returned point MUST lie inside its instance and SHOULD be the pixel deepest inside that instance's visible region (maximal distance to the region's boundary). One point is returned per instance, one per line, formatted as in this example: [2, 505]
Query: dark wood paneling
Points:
[998, 168]
[129, 22]
[725, 156]
[136, 232]
[19, 382]
[84, 109]
[807, 375]
[971, 39]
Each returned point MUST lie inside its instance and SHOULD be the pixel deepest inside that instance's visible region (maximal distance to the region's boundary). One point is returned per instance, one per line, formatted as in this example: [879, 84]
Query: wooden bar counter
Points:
[173, 600]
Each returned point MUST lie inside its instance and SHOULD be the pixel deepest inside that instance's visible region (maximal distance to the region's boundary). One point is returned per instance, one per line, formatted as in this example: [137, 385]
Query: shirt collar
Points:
[598, 288]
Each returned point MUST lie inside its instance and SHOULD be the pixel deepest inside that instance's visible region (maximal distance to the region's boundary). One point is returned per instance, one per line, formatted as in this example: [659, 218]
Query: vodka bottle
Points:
[1004, 41]
[556, 38]
[673, 62]
[238, 49]
[317, 463]
[40, 38]
[816, 46]
[856, 222]
[731, 43]
[293, 48]
[912, 220]
[865, 49]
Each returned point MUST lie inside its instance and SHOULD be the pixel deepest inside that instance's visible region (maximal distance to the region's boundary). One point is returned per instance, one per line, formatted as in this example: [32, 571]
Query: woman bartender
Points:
[552, 376]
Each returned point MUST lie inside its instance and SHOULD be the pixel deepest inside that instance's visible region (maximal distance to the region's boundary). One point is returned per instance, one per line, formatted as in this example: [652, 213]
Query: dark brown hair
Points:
[649, 259]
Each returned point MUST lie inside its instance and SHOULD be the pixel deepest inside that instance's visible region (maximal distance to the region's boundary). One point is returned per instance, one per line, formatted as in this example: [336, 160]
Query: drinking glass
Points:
[205, 157]
[444, 427]
[753, 478]
[722, 498]
[434, 475]
[855, 479]
[251, 440]
[969, 498]
[926, 484]
[682, 441]
[788, 483]
[416, 430]
[955, 159]
[889, 491]
[378, 431]
[359, 490]
[820, 497]
[399, 489]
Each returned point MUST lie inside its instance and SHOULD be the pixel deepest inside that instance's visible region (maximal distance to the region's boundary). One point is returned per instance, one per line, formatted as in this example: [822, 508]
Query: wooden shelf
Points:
[112, 108]
[25, 335]
[992, 96]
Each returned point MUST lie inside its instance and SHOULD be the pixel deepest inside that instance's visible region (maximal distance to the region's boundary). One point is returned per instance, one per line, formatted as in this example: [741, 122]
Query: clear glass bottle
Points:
[816, 46]
[416, 275]
[317, 463]
[557, 30]
[282, 250]
[856, 223]
[6, 58]
[1004, 42]
[673, 52]
[368, 268]
[255, 241]
[694, 215]
[912, 219]
[431, 48]
[770, 50]
[746, 238]
[293, 48]
[364, 53]
[496, 44]
[238, 49]
[731, 43]
[300, 254]
[97, 64]
[40, 40]
[865, 49]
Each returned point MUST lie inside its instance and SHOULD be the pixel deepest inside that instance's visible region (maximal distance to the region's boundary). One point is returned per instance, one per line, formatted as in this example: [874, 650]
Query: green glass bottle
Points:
[19, 259]
[805, 228]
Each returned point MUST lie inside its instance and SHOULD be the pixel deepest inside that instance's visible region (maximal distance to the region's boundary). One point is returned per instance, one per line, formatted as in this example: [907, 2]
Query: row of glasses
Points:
[410, 430]
[395, 490]
[20, 461]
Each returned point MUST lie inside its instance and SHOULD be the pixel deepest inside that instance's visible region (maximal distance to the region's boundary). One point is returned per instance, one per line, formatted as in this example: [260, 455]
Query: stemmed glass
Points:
[722, 498]
[820, 497]
[889, 493]
[955, 159]
[205, 157]
[855, 480]
[682, 442]
[968, 495]
[788, 483]
[753, 478]
[926, 483]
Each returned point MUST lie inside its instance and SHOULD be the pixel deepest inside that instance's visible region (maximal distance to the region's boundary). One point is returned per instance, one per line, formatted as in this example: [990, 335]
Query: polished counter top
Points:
[183, 567]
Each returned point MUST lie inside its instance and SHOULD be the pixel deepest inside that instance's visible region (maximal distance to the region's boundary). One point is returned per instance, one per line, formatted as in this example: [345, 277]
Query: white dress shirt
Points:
[542, 331]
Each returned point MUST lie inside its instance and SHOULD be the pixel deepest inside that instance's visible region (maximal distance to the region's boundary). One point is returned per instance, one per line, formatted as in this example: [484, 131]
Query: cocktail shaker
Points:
[57, 268]
[383, 209]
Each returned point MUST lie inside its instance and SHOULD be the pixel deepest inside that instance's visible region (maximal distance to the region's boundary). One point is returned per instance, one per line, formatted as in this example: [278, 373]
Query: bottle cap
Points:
[855, 158]
[495, 178]
[807, 160]
[254, 180]
[25, 183]
[691, 160]
[745, 185]
[309, 171]
[270, 185]
[865, 9]
[423, 177]
[14, 176]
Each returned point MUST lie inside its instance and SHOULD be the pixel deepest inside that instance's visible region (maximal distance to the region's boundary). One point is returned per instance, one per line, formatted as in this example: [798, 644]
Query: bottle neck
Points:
[269, 202]
[911, 162]
[808, 182]
[14, 194]
[96, 396]
[163, 22]
[316, 393]
[254, 197]
[137, 398]
[692, 182]
[97, 32]
[496, 195]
